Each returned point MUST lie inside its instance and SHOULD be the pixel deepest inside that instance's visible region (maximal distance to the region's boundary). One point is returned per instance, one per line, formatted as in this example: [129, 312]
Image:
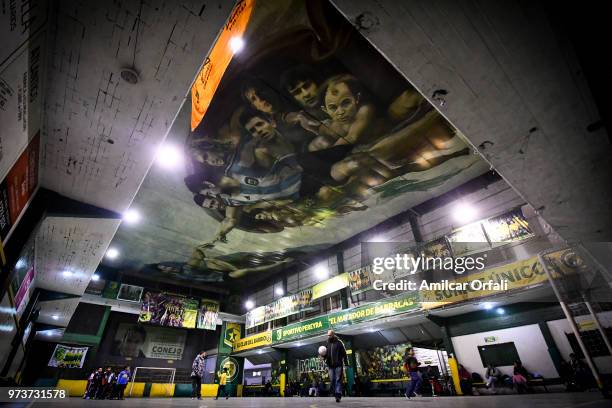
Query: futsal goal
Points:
[161, 378]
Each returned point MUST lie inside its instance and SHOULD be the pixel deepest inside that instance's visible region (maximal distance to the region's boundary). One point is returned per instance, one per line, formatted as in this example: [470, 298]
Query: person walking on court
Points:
[197, 372]
[412, 367]
[222, 382]
[335, 358]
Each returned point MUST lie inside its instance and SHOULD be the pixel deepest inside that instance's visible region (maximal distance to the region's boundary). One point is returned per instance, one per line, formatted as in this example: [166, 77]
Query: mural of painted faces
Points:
[299, 134]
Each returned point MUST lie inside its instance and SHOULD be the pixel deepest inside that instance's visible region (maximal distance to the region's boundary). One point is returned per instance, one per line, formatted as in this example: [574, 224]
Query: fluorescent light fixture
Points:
[500, 311]
[67, 273]
[112, 253]
[377, 238]
[464, 213]
[236, 44]
[249, 304]
[95, 277]
[487, 305]
[279, 291]
[321, 271]
[169, 156]
[131, 216]
[55, 317]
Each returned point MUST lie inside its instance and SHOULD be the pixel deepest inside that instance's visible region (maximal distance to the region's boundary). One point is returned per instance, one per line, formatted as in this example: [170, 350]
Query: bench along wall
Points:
[529, 343]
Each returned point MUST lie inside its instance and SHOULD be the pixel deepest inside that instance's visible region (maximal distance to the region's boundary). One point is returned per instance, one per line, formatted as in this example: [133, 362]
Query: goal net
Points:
[161, 378]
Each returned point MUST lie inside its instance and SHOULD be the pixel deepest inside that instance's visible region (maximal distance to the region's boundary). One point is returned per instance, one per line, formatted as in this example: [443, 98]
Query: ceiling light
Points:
[95, 277]
[464, 213]
[67, 273]
[112, 253]
[377, 238]
[249, 304]
[487, 306]
[131, 216]
[169, 156]
[129, 75]
[20, 264]
[236, 44]
[500, 311]
[55, 317]
[279, 291]
[321, 271]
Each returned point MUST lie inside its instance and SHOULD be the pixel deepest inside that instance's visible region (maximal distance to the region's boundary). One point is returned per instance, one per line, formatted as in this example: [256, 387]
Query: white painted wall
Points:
[558, 328]
[529, 342]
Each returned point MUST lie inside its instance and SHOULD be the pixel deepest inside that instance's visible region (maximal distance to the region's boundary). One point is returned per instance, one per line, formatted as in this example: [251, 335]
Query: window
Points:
[503, 354]
[593, 342]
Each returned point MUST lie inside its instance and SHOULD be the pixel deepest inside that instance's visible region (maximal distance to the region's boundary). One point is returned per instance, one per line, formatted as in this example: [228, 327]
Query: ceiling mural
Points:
[310, 138]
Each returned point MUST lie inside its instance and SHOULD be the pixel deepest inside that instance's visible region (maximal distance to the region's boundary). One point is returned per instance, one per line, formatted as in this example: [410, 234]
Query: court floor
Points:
[552, 400]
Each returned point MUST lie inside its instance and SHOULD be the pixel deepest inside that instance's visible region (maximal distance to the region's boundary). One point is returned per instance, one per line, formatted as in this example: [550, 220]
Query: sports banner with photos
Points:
[208, 314]
[68, 357]
[168, 310]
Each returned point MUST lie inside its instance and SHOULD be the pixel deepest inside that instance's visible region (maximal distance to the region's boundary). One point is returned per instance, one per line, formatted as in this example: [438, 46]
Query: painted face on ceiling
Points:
[260, 128]
[306, 93]
[213, 158]
[258, 102]
[340, 103]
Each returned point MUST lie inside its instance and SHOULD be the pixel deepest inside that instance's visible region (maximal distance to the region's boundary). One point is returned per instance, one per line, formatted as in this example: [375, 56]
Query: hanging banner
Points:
[24, 288]
[376, 310]
[218, 59]
[208, 314]
[18, 186]
[330, 286]
[508, 227]
[230, 334]
[360, 279]
[111, 290]
[437, 248]
[280, 308]
[254, 341]
[518, 274]
[299, 330]
[68, 357]
[371, 311]
[168, 310]
[130, 293]
[255, 317]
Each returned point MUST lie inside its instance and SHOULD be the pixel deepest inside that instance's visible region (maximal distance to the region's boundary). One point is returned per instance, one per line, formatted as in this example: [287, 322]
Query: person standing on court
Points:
[222, 382]
[335, 358]
[197, 372]
[122, 381]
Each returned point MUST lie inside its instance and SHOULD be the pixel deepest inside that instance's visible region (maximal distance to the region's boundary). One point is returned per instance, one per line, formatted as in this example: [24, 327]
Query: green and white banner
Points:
[318, 325]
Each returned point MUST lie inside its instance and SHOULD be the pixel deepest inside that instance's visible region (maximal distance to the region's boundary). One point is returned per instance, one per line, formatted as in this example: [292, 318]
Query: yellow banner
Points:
[215, 64]
[517, 275]
[256, 340]
[330, 286]
[232, 334]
